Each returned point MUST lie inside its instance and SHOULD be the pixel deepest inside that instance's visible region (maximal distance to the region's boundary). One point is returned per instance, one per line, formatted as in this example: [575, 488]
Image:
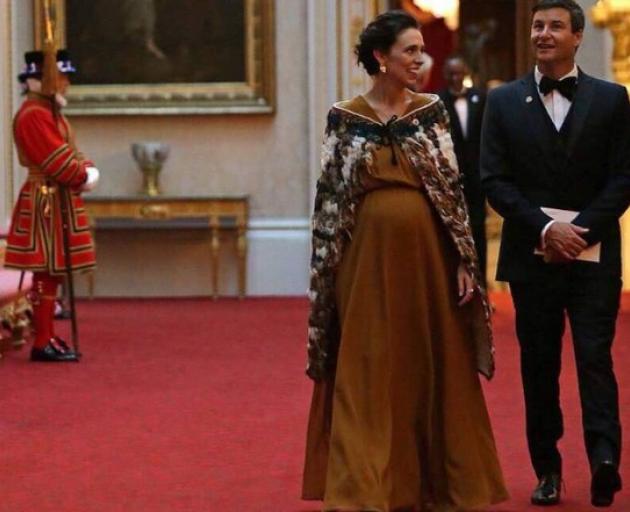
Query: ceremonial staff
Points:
[50, 88]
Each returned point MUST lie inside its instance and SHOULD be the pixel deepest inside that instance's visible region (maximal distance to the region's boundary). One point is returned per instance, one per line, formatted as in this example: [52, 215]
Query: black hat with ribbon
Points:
[34, 64]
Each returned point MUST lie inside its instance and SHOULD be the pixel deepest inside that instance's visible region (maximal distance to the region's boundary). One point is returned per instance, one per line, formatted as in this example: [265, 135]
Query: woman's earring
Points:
[383, 68]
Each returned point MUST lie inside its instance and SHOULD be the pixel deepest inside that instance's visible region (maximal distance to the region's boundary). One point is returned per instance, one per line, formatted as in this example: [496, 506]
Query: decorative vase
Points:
[150, 157]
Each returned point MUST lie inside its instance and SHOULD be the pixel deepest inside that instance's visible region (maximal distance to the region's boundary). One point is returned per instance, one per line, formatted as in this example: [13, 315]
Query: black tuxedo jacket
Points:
[526, 164]
[467, 149]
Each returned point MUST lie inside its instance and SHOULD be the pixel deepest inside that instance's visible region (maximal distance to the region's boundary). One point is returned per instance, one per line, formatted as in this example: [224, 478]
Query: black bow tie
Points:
[566, 87]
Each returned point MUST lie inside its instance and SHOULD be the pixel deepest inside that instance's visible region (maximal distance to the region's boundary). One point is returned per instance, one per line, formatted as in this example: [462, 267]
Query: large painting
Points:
[166, 56]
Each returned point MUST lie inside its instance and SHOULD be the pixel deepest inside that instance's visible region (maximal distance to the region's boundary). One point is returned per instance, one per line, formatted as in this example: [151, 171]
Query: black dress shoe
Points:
[605, 483]
[53, 353]
[547, 491]
[66, 348]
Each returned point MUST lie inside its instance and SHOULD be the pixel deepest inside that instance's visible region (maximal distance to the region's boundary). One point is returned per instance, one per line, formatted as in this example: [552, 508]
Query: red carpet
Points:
[194, 405]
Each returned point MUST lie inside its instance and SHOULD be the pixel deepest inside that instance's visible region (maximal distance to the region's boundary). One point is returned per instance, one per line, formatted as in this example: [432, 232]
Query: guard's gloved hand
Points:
[92, 179]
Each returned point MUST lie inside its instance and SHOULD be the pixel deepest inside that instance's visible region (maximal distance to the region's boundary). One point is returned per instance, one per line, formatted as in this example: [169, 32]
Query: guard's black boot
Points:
[547, 491]
[54, 352]
[66, 347]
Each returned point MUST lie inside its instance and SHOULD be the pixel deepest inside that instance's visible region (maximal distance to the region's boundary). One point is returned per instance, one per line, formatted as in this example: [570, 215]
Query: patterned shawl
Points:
[350, 142]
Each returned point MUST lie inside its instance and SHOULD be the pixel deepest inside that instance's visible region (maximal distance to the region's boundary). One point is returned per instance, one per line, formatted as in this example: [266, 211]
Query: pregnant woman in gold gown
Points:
[398, 327]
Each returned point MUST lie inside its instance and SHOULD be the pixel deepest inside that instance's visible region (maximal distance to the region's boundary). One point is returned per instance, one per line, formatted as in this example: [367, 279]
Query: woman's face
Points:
[404, 59]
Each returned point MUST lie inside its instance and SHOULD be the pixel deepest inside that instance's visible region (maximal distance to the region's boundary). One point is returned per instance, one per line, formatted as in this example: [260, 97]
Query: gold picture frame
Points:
[252, 93]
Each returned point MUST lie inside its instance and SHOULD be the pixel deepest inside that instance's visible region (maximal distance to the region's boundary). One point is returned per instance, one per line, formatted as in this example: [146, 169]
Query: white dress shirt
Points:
[461, 107]
[557, 106]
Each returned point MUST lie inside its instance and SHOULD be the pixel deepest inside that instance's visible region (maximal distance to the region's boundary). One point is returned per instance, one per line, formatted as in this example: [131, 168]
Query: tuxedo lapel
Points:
[473, 110]
[580, 108]
[538, 120]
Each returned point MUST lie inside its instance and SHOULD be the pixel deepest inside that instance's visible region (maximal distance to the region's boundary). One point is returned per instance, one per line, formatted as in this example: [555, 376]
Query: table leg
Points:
[241, 250]
[215, 245]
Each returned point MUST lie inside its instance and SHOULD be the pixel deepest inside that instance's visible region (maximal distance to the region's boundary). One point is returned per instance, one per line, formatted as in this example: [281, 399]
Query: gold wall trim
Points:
[606, 14]
[254, 95]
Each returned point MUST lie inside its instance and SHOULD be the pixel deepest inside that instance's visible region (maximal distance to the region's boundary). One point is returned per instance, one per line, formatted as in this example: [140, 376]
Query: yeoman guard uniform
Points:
[45, 146]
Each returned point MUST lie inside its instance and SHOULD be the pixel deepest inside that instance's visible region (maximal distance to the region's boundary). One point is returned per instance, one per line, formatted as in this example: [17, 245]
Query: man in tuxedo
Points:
[559, 138]
[465, 108]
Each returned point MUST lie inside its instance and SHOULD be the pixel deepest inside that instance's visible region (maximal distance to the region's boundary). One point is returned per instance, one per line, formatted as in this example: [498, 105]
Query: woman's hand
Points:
[465, 286]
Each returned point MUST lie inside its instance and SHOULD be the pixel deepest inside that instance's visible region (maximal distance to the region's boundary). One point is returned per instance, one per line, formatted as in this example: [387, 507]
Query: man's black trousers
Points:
[591, 303]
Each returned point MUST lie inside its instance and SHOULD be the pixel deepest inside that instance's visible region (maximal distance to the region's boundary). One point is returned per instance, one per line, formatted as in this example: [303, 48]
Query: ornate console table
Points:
[212, 213]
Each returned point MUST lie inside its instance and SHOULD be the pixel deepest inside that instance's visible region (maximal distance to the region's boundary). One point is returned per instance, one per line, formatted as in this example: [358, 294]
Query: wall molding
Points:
[278, 223]
[278, 256]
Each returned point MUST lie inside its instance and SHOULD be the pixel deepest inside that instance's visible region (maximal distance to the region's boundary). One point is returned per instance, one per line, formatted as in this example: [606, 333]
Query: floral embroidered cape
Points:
[350, 142]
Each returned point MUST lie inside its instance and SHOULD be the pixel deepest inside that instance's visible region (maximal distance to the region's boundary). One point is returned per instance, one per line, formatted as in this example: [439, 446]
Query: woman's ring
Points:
[470, 291]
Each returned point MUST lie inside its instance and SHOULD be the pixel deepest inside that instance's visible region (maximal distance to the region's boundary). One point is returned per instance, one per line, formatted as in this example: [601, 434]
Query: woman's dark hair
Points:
[576, 12]
[380, 34]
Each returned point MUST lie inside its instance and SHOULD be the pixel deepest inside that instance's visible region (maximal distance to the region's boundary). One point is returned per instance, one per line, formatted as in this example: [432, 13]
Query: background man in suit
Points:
[560, 138]
[465, 108]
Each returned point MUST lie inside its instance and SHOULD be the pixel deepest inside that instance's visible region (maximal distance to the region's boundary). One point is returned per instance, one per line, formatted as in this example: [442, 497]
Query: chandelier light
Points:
[447, 9]
[619, 4]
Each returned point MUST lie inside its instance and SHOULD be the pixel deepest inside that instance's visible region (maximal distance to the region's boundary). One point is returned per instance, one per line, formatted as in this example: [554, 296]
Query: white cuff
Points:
[544, 232]
[92, 179]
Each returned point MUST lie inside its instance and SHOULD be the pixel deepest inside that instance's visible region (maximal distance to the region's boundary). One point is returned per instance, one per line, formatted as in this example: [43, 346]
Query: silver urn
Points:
[150, 157]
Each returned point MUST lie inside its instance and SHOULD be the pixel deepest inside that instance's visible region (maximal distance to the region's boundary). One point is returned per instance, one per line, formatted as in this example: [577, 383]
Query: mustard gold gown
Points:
[404, 424]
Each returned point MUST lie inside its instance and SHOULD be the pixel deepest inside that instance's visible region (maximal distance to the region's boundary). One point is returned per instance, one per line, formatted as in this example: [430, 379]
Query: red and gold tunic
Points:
[46, 147]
